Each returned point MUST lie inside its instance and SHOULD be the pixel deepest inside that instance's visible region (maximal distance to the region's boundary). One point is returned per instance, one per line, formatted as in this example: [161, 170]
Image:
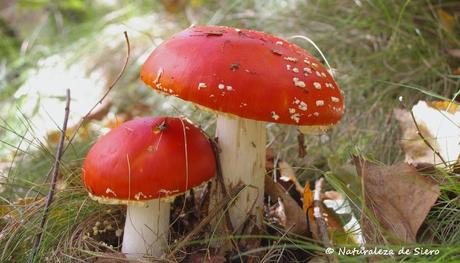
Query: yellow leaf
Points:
[446, 20]
[456, 71]
[445, 105]
[307, 197]
[196, 3]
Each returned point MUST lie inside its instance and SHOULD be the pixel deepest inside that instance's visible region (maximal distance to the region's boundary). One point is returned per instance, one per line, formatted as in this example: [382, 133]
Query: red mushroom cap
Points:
[148, 158]
[246, 73]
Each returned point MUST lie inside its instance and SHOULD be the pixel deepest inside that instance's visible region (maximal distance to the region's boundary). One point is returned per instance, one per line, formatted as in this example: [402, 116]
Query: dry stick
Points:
[207, 219]
[425, 140]
[112, 85]
[320, 222]
[220, 179]
[301, 144]
[49, 198]
[204, 196]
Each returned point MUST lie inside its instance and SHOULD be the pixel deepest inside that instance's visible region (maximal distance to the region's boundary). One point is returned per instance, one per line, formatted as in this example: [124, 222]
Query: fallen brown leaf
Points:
[295, 217]
[437, 123]
[415, 149]
[454, 52]
[288, 179]
[398, 198]
[334, 224]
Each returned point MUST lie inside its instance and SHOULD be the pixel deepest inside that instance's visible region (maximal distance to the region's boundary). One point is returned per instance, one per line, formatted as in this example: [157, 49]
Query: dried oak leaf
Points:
[397, 197]
[438, 123]
[296, 220]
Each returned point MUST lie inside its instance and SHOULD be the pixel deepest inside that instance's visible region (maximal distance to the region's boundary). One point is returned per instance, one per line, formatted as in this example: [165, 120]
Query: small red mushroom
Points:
[248, 78]
[144, 163]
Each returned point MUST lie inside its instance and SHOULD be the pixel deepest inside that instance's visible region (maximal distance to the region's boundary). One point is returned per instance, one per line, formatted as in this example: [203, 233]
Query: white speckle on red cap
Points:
[298, 83]
[275, 116]
[292, 59]
[317, 85]
[221, 86]
[110, 191]
[201, 85]
[320, 103]
[295, 117]
[139, 195]
[303, 106]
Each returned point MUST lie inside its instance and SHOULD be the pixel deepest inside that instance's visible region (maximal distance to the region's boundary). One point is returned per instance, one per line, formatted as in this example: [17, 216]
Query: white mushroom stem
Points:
[146, 229]
[242, 144]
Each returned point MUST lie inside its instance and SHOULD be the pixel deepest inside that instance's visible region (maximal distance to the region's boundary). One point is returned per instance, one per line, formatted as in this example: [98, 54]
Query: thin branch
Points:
[57, 162]
[212, 213]
[220, 180]
[111, 86]
[301, 144]
[419, 133]
[320, 222]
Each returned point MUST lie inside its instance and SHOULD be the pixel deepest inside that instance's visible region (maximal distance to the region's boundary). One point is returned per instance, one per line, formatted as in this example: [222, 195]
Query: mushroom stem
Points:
[242, 145]
[146, 229]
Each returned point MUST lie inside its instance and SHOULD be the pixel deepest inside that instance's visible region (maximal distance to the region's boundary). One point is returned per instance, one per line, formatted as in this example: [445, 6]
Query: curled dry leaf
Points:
[278, 212]
[397, 198]
[438, 123]
[295, 217]
[288, 179]
[334, 224]
[415, 149]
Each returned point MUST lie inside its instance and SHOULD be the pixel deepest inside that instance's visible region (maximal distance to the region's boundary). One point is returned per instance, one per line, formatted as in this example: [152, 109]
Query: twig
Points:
[208, 218]
[204, 196]
[320, 222]
[220, 180]
[419, 133]
[301, 144]
[111, 86]
[49, 198]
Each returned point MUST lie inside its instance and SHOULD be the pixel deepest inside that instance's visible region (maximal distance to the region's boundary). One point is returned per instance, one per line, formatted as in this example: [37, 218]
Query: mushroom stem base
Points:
[242, 143]
[146, 229]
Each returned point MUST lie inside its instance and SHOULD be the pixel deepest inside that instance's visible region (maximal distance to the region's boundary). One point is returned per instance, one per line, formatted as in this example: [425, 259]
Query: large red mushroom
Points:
[144, 163]
[248, 78]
